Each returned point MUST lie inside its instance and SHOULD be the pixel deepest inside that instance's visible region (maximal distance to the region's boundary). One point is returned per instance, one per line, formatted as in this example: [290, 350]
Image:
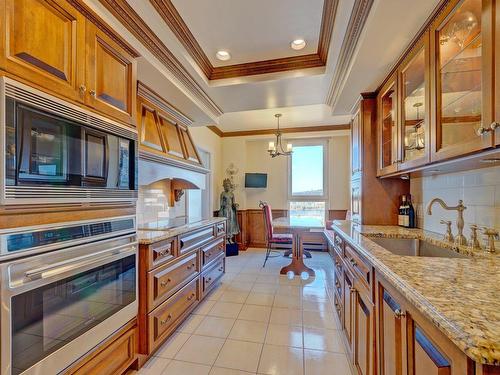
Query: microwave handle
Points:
[79, 262]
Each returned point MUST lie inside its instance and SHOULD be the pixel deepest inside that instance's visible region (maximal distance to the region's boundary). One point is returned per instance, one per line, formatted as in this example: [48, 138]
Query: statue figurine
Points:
[228, 209]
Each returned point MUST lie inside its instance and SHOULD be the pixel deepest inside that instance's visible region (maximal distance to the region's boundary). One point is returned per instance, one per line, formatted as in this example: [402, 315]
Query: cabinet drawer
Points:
[358, 265]
[211, 251]
[337, 261]
[220, 229]
[211, 276]
[192, 240]
[167, 279]
[115, 358]
[166, 317]
[161, 252]
[338, 244]
[337, 280]
[337, 303]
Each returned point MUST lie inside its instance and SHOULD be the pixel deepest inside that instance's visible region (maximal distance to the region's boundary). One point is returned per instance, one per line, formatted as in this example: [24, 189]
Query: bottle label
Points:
[406, 220]
[400, 220]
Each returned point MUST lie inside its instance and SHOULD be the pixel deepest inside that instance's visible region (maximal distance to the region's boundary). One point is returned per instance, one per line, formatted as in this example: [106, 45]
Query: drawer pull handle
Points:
[190, 266]
[191, 297]
[399, 314]
[353, 262]
[163, 284]
[165, 321]
[162, 253]
[221, 269]
[208, 280]
[337, 284]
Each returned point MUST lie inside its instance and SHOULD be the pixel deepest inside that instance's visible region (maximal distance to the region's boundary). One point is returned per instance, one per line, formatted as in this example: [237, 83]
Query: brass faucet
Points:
[459, 238]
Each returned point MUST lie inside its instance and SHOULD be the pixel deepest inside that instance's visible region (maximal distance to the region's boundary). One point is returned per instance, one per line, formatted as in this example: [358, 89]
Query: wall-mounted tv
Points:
[255, 180]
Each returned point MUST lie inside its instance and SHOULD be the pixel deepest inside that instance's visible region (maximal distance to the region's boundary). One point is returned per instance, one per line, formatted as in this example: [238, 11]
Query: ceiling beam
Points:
[302, 129]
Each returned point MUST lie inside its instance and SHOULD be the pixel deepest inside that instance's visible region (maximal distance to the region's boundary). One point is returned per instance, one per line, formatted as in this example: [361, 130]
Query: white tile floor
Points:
[258, 322]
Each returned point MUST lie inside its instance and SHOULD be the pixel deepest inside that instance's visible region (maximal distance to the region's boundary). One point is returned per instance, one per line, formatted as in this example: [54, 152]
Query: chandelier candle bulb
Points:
[271, 146]
[289, 147]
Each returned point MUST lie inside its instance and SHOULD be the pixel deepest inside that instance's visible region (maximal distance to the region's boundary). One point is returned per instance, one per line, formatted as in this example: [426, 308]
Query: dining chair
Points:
[272, 238]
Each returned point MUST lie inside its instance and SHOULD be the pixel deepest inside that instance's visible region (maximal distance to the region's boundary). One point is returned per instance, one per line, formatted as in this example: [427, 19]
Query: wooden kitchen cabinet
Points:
[414, 116]
[388, 129]
[364, 331]
[111, 76]
[56, 47]
[44, 42]
[495, 22]
[348, 304]
[356, 156]
[461, 68]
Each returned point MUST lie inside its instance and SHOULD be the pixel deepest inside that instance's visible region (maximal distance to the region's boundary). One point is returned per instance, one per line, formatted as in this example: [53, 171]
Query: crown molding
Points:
[302, 129]
[136, 25]
[174, 21]
[356, 24]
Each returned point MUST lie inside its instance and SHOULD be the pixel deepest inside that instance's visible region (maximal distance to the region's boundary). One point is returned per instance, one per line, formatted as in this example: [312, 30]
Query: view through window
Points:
[307, 184]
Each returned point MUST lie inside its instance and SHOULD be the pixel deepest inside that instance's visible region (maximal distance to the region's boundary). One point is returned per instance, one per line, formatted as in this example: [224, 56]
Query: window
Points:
[308, 190]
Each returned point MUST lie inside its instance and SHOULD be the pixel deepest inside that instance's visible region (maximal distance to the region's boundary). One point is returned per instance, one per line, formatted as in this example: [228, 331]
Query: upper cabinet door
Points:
[461, 81]
[149, 132]
[171, 137]
[414, 89]
[496, 50]
[356, 143]
[388, 128]
[111, 76]
[44, 42]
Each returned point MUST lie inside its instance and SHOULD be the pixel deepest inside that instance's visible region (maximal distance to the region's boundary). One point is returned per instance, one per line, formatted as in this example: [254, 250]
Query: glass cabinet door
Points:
[459, 70]
[388, 128]
[414, 106]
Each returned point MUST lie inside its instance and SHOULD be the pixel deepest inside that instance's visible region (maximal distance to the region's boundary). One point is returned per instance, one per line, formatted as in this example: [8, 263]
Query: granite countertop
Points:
[460, 296]
[160, 230]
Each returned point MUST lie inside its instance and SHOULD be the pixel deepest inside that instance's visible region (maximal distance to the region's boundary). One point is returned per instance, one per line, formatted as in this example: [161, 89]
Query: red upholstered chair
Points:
[271, 237]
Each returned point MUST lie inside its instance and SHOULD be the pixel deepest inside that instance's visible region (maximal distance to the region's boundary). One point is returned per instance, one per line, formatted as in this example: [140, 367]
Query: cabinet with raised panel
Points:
[51, 51]
[110, 76]
[66, 53]
[496, 86]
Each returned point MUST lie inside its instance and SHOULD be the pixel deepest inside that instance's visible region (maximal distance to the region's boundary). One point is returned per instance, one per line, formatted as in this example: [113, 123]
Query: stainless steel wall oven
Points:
[76, 288]
[55, 152]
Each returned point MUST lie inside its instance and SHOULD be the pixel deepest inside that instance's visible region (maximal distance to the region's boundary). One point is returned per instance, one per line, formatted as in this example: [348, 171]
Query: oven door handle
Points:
[82, 261]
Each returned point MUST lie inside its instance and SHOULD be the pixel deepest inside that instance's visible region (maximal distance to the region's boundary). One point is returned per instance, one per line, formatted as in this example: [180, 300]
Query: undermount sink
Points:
[415, 247]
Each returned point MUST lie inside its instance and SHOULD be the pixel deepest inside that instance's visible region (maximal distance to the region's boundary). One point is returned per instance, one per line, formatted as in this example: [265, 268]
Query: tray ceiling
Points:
[256, 33]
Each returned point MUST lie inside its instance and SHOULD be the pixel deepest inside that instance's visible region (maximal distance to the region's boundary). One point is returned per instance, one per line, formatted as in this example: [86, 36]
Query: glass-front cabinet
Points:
[461, 70]
[414, 121]
[388, 127]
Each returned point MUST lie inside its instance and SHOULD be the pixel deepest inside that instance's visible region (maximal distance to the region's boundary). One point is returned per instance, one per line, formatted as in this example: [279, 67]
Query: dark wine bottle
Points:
[401, 212]
[412, 222]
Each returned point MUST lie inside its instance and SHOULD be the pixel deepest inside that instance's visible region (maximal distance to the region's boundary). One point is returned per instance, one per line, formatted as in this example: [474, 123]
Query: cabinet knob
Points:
[92, 93]
[191, 297]
[190, 266]
[82, 89]
[166, 320]
[399, 313]
[221, 269]
[163, 284]
[494, 125]
[482, 130]
[353, 262]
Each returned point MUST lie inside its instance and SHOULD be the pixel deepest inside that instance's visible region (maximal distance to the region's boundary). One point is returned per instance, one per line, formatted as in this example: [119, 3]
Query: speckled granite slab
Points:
[147, 237]
[460, 296]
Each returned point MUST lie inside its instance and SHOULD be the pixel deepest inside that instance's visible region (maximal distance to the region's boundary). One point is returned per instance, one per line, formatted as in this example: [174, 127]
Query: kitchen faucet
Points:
[459, 238]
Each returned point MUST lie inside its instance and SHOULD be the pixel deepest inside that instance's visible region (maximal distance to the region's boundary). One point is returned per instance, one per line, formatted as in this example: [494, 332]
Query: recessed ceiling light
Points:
[223, 55]
[298, 44]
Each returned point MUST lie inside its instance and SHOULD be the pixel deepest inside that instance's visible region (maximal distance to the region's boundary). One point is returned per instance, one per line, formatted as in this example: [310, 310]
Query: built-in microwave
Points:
[56, 152]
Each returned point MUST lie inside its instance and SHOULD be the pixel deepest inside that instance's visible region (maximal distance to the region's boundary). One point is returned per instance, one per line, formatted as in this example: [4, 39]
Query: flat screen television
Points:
[255, 180]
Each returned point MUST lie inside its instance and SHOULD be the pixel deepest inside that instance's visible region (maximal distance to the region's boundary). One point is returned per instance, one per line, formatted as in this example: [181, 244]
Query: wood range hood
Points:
[166, 148]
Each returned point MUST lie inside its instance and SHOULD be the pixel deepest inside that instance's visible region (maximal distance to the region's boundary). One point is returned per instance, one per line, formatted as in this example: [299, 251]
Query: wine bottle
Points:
[412, 223]
[401, 213]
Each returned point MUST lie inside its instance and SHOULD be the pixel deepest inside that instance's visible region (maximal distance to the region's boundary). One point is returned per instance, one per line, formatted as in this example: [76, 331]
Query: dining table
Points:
[296, 226]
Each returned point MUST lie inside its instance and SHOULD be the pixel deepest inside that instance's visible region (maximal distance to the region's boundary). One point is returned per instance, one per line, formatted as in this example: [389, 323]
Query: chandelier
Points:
[276, 148]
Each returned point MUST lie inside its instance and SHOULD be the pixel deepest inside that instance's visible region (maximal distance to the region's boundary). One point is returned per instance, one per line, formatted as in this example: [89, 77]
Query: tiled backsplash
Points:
[479, 189]
[152, 203]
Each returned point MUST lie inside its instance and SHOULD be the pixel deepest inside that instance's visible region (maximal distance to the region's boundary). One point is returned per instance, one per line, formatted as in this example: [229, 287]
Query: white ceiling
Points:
[311, 115]
[251, 103]
[253, 30]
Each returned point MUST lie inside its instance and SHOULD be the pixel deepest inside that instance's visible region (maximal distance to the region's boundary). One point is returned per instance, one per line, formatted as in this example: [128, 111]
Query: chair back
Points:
[268, 220]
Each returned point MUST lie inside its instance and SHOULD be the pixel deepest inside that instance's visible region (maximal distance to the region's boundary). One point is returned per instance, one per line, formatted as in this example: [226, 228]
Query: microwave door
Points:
[96, 160]
[45, 145]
